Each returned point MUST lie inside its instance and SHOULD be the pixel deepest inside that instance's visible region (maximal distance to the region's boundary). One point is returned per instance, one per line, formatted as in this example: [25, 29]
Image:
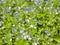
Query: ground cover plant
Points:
[29, 22]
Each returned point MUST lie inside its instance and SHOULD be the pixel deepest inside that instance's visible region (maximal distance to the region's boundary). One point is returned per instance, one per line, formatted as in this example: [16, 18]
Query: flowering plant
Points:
[29, 22]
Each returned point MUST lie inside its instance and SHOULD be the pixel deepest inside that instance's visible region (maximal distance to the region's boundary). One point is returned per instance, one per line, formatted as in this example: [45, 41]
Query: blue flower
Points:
[36, 2]
[21, 31]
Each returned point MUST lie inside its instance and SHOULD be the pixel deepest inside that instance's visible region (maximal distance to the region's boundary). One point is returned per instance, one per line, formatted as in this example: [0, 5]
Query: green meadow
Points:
[29, 22]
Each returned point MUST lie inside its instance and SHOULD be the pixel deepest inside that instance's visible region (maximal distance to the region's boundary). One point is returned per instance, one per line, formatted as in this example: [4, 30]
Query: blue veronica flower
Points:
[36, 2]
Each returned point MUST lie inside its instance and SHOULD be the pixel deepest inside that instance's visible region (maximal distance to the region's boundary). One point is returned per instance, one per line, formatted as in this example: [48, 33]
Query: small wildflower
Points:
[34, 43]
[27, 20]
[52, 0]
[48, 43]
[26, 36]
[17, 38]
[40, 7]
[18, 9]
[3, 37]
[29, 38]
[49, 34]
[14, 30]
[31, 26]
[11, 39]
[28, 10]
[56, 12]
[3, 1]
[11, 34]
[9, 8]
[21, 31]
[36, 2]
[51, 7]
[1, 23]
[13, 25]
[51, 39]
[0, 13]
[46, 2]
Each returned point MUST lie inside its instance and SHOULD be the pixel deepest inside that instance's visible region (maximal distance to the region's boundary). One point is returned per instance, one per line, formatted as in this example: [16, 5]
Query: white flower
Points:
[31, 26]
[1, 23]
[34, 44]
[33, 9]
[52, 0]
[3, 37]
[11, 39]
[51, 39]
[35, 27]
[27, 20]
[44, 8]
[56, 12]
[9, 8]
[46, 2]
[13, 25]
[11, 34]
[37, 38]
[17, 38]
[48, 43]
[40, 7]
[29, 38]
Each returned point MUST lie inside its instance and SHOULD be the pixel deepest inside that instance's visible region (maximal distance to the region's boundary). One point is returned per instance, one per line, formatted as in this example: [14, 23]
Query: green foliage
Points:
[29, 22]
